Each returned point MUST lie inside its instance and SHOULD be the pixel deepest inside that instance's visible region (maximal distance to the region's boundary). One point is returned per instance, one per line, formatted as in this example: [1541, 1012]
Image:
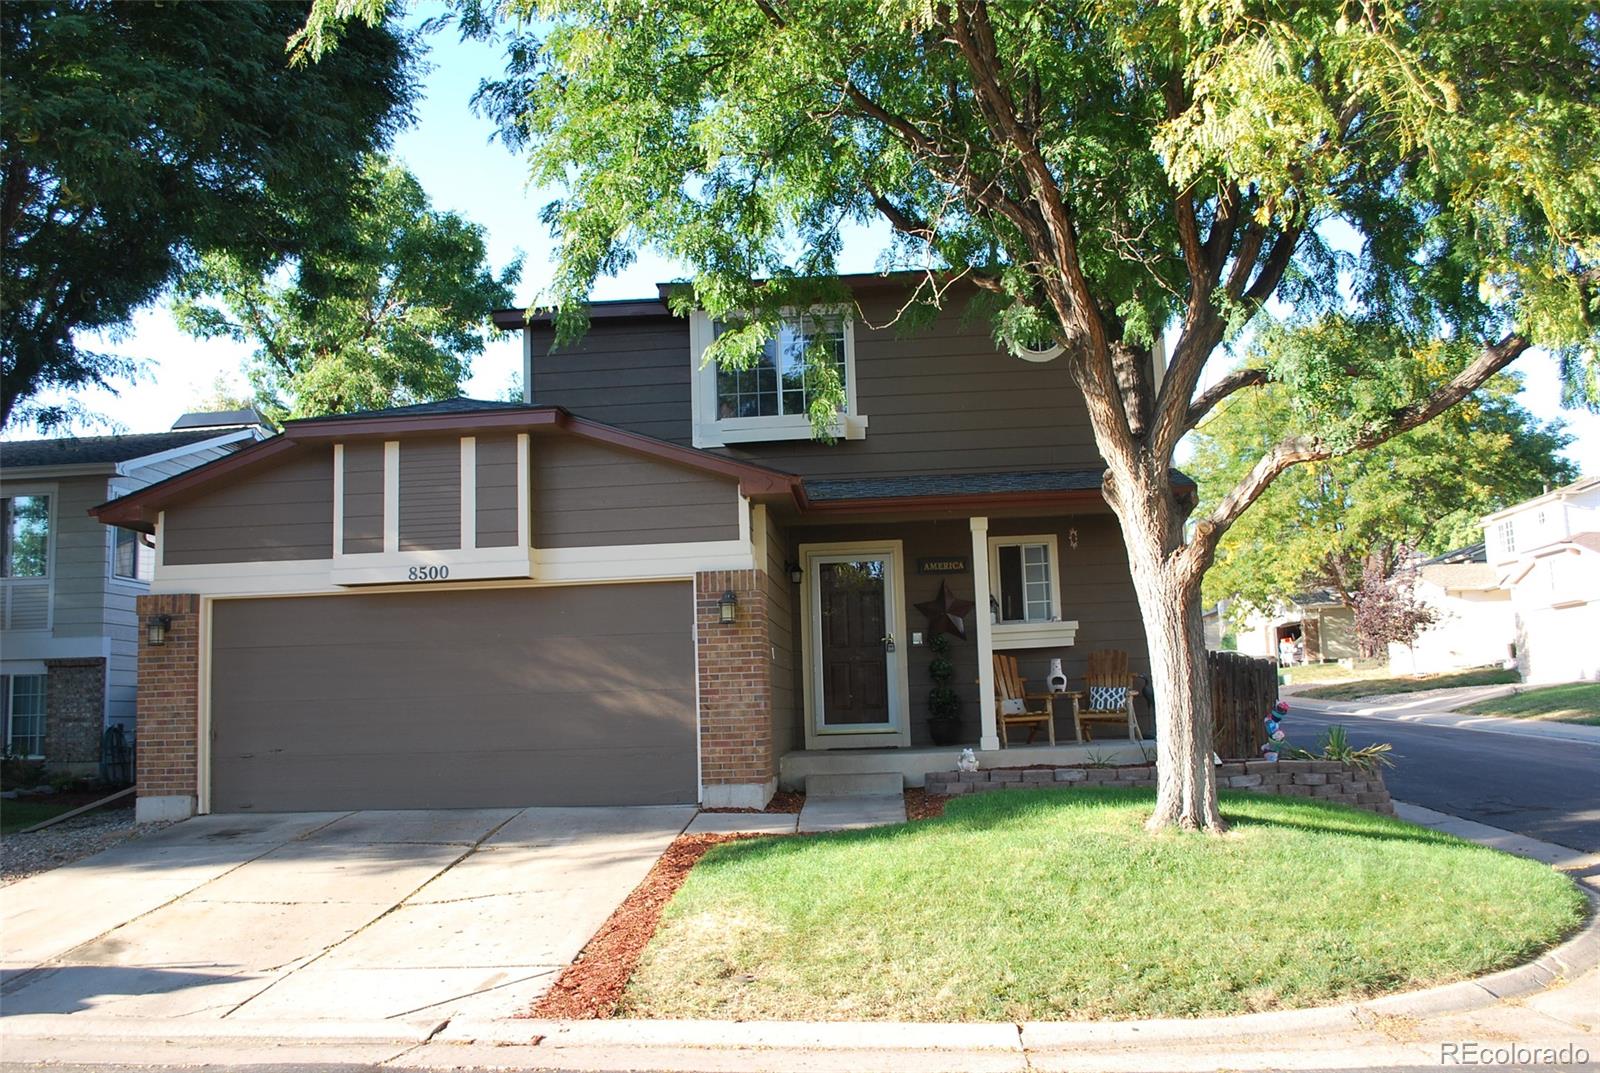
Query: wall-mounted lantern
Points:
[156, 627]
[795, 573]
[728, 608]
[1072, 537]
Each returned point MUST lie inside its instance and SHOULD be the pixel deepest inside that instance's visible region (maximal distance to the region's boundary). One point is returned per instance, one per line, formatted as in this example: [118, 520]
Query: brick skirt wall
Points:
[735, 668]
[75, 706]
[1323, 780]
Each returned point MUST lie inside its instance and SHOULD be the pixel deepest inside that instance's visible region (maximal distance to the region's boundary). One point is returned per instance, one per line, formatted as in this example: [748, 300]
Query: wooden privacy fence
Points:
[1243, 690]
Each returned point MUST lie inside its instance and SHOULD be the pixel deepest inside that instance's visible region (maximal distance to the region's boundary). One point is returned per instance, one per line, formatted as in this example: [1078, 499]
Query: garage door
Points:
[458, 699]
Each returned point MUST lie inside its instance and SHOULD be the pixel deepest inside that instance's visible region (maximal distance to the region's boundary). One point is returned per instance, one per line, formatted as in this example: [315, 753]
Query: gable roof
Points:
[99, 450]
[139, 510]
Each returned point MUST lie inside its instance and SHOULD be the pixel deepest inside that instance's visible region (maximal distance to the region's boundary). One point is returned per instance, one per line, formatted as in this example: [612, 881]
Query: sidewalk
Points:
[1549, 1008]
[1429, 712]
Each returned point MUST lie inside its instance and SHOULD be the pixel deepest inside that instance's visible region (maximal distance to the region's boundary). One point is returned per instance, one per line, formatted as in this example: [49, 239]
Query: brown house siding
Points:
[282, 513]
[430, 494]
[941, 398]
[363, 498]
[588, 495]
[633, 375]
[497, 491]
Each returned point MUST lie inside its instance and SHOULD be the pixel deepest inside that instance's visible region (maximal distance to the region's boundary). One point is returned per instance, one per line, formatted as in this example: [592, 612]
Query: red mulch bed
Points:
[786, 802]
[591, 987]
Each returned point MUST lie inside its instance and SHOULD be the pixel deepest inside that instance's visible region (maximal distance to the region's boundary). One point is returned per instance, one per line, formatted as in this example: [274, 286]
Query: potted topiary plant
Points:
[944, 705]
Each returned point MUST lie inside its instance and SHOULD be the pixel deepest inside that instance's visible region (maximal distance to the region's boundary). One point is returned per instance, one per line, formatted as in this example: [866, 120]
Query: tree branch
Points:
[1207, 400]
[1297, 449]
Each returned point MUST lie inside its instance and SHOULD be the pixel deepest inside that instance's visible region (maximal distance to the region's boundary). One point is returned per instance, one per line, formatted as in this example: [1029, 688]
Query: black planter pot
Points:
[945, 729]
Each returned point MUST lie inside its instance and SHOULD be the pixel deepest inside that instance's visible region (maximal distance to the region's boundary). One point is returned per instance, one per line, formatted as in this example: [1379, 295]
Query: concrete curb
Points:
[1438, 717]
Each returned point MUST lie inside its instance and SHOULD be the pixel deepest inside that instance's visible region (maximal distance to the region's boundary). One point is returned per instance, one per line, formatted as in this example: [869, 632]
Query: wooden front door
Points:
[855, 643]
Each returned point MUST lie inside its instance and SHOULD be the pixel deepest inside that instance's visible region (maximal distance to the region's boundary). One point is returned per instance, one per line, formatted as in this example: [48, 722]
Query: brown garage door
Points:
[454, 699]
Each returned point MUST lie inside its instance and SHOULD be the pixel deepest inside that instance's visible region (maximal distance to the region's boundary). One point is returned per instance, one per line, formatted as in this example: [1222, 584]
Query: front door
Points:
[855, 681]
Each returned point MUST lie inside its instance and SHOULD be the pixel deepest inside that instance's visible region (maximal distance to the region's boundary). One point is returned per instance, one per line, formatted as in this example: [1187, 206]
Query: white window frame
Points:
[1506, 533]
[11, 711]
[712, 431]
[1051, 549]
[9, 584]
[33, 491]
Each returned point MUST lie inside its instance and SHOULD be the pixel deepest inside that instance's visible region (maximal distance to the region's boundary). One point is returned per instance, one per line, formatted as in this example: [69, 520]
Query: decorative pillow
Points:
[1107, 698]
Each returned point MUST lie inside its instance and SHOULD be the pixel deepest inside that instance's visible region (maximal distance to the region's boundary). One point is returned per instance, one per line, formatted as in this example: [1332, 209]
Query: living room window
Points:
[771, 399]
[25, 715]
[1024, 579]
[131, 558]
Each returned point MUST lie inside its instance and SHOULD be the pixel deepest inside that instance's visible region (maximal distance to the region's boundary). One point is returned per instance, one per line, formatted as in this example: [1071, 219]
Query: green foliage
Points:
[943, 702]
[1427, 488]
[134, 136]
[386, 309]
[1335, 745]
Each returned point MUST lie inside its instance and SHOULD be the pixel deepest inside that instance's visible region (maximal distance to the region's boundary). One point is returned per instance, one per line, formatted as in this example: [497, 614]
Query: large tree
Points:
[1317, 525]
[386, 308]
[135, 135]
[1103, 170]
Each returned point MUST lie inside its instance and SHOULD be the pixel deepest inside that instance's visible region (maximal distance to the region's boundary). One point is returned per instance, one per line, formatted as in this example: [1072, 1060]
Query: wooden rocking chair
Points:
[1107, 670]
[1011, 693]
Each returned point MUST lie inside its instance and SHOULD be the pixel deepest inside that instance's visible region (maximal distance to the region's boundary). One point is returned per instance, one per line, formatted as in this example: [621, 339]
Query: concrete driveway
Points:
[347, 916]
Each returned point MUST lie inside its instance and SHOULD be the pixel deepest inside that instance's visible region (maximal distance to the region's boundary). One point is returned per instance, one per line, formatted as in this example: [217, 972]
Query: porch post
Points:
[989, 739]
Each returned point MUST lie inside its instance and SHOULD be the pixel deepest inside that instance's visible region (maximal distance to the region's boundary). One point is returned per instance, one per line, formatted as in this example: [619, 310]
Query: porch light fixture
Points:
[728, 607]
[795, 573]
[1072, 537]
[156, 627]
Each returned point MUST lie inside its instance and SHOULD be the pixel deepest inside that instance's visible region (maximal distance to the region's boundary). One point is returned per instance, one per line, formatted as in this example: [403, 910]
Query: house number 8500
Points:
[427, 573]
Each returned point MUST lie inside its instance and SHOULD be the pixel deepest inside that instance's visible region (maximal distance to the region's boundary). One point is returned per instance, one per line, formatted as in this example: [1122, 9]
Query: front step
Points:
[855, 784]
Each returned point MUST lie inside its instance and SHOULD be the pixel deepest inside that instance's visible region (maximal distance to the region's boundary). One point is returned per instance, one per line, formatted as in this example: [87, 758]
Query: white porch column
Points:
[990, 737]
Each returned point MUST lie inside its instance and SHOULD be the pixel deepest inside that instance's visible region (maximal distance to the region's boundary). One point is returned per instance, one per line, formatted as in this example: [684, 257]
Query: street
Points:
[1542, 788]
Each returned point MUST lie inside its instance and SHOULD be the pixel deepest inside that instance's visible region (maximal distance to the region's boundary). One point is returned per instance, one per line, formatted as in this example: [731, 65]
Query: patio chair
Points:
[1107, 696]
[1012, 703]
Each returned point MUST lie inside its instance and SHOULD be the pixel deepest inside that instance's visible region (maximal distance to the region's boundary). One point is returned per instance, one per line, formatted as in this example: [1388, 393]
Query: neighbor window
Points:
[1507, 532]
[25, 718]
[771, 399]
[133, 557]
[1024, 579]
[25, 533]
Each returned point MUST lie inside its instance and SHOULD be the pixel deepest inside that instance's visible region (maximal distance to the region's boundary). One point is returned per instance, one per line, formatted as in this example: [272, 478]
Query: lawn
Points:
[1054, 904]
[1377, 687]
[1578, 702]
[15, 815]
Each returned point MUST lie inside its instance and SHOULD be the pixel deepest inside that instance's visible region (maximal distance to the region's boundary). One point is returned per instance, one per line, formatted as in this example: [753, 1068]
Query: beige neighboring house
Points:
[1316, 625]
[1476, 624]
[1546, 552]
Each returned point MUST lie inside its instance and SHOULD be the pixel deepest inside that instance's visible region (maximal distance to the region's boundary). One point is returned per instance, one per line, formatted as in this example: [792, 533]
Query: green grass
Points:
[1575, 703]
[1377, 687]
[1055, 904]
[15, 815]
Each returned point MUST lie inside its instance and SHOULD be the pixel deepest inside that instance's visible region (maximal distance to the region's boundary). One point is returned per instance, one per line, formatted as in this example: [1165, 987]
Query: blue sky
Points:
[449, 151]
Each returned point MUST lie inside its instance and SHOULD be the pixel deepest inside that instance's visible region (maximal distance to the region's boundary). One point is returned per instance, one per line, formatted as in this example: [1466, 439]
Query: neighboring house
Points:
[1546, 552]
[1476, 625]
[1317, 627]
[68, 645]
[646, 584]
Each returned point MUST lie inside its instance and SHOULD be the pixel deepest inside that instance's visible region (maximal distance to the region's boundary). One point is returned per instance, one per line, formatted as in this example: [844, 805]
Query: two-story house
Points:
[68, 585]
[645, 583]
[1546, 552]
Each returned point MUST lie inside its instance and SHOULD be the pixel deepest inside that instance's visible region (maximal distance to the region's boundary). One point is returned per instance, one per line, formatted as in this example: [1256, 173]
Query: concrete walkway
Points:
[1435, 712]
[851, 813]
[362, 916]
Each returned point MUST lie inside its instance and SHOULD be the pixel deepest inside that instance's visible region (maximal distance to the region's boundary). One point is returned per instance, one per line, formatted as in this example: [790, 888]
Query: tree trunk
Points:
[1168, 587]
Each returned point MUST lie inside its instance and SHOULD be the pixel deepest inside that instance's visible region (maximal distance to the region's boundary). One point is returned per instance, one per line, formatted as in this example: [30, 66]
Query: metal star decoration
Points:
[946, 613]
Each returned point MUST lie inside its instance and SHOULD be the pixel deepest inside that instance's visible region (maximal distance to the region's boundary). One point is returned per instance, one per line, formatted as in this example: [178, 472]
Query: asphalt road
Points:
[1541, 788]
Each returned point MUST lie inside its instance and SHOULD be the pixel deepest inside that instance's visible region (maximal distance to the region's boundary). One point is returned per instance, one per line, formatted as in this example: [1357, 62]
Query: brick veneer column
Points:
[737, 768]
[168, 727]
[75, 707]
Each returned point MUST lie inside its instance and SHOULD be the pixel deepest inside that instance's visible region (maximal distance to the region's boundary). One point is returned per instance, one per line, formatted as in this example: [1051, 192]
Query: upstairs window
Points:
[132, 558]
[1506, 533]
[25, 536]
[771, 399]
